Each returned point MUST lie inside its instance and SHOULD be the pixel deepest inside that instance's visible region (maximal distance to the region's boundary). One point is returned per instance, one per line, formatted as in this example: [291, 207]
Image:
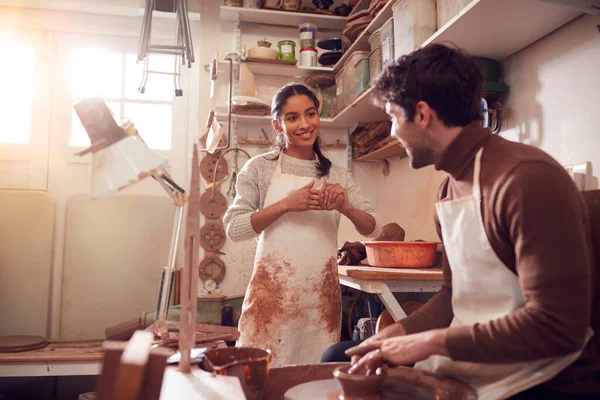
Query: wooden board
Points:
[269, 61]
[391, 274]
[390, 150]
[60, 350]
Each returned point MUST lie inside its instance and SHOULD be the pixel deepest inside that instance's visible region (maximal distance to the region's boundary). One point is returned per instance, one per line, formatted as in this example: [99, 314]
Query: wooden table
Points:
[59, 358]
[385, 281]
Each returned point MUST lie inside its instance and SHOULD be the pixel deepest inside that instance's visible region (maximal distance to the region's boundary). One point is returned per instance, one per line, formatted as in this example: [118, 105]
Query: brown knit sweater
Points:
[536, 222]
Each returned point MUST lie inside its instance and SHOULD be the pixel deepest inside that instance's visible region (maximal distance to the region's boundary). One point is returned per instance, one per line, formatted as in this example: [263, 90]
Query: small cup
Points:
[359, 386]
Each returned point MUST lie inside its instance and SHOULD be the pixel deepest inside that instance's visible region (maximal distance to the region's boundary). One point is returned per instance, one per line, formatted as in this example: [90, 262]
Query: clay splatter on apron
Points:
[330, 299]
[269, 300]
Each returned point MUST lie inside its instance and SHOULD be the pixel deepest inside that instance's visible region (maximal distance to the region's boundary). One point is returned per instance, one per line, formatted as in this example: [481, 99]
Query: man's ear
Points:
[423, 114]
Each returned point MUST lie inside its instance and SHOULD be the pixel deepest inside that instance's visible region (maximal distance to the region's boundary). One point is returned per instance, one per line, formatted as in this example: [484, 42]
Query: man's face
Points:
[415, 138]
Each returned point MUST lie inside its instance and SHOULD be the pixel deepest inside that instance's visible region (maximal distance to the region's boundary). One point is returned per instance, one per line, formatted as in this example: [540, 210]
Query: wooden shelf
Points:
[508, 25]
[361, 5]
[390, 150]
[362, 42]
[266, 120]
[338, 144]
[295, 71]
[361, 110]
[283, 18]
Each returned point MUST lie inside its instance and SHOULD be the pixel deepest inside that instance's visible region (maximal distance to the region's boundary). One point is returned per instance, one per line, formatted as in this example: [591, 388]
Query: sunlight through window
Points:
[96, 72]
[16, 92]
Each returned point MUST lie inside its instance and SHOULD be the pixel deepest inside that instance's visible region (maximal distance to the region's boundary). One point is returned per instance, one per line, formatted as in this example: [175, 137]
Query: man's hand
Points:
[402, 350]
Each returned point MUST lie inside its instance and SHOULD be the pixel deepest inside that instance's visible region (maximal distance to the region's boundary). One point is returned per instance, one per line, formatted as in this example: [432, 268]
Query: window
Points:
[116, 76]
[16, 91]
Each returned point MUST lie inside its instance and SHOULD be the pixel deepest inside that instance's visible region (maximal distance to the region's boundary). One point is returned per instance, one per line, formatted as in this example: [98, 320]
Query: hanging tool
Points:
[183, 51]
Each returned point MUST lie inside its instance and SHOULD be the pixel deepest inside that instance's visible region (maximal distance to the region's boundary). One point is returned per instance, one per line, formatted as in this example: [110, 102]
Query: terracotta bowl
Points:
[401, 254]
[250, 365]
[359, 386]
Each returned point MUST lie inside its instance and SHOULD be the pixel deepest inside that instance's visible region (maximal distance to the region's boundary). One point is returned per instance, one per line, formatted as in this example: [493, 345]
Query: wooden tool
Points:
[132, 370]
[189, 276]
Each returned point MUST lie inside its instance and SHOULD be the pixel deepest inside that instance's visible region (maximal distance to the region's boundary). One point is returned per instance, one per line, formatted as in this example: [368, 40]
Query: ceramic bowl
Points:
[359, 386]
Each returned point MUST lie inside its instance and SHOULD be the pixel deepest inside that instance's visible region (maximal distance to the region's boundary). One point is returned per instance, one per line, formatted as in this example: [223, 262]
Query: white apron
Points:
[292, 305]
[484, 289]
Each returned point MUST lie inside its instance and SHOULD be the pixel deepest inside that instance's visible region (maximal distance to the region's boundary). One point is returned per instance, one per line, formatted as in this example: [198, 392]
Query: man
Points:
[512, 318]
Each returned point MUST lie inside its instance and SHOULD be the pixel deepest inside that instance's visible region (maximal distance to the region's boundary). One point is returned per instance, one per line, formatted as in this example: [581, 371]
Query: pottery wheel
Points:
[19, 343]
[328, 389]
[208, 166]
[212, 268]
[212, 237]
[213, 204]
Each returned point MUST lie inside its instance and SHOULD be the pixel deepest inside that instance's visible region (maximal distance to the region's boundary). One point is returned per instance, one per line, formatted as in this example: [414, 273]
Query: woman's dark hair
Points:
[445, 78]
[279, 100]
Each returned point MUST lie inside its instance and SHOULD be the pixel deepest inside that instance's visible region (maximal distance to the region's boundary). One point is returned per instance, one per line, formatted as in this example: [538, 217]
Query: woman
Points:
[293, 198]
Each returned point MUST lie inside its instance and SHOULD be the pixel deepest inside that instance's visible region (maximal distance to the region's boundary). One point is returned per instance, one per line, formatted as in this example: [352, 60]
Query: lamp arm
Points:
[179, 196]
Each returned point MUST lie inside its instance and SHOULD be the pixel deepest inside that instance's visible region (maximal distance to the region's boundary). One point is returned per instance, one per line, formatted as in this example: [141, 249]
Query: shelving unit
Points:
[296, 71]
[266, 120]
[361, 110]
[362, 42]
[390, 150]
[509, 26]
[282, 18]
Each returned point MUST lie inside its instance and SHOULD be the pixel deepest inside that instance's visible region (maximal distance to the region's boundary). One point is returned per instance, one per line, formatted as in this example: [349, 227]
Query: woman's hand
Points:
[305, 198]
[333, 197]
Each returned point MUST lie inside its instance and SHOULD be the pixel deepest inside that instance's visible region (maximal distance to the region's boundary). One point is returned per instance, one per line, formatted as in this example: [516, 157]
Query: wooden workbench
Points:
[385, 281]
[60, 357]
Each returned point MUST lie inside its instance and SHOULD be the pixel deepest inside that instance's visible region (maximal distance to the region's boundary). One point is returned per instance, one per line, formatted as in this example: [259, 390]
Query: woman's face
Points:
[299, 121]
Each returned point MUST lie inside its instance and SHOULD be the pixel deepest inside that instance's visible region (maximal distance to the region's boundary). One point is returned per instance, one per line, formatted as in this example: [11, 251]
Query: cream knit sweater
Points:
[253, 181]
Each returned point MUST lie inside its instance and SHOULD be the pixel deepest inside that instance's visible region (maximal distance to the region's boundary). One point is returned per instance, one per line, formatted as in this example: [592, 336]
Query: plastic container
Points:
[358, 75]
[287, 50]
[375, 64]
[375, 39]
[308, 57]
[362, 76]
[448, 9]
[308, 34]
[387, 43]
[339, 89]
[414, 22]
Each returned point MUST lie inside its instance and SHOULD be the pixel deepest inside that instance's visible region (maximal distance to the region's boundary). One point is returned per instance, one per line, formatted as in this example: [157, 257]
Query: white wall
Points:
[555, 94]
[554, 97]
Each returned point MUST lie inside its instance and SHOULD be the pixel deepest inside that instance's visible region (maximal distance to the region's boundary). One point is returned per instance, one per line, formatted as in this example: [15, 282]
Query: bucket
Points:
[308, 33]
[308, 57]
[250, 365]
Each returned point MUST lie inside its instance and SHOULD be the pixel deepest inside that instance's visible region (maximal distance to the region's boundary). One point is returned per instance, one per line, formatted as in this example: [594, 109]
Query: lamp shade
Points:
[122, 164]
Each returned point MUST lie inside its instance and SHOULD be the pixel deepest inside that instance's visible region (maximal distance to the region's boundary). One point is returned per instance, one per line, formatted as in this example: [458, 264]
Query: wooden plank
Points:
[60, 350]
[392, 274]
[390, 150]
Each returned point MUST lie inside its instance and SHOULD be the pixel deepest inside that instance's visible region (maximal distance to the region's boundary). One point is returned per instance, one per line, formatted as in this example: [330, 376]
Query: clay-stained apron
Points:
[293, 302]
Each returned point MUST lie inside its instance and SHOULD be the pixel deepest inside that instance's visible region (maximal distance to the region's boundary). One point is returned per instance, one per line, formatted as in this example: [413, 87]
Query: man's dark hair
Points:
[445, 78]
